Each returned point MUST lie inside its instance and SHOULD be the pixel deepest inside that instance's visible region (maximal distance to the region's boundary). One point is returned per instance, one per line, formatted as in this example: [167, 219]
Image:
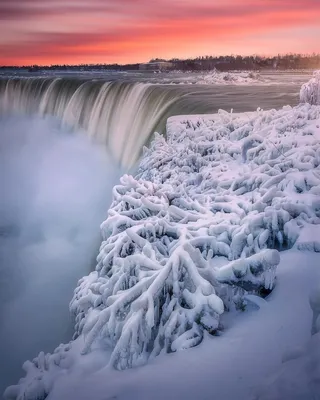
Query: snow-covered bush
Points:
[153, 287]
[310, 92]
[41, 373]
[197, 230]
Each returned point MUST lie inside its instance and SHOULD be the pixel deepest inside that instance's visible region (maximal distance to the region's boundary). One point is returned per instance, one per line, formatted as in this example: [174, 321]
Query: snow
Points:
[309, 238]
[220, 213]
[298, 378]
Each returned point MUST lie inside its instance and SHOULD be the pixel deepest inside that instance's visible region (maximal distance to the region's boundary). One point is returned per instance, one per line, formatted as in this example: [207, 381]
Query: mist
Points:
[55, 191]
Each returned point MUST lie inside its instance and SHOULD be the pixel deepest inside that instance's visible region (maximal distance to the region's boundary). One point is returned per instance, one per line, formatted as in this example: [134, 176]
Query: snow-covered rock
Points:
[232, 188]
[310, 92]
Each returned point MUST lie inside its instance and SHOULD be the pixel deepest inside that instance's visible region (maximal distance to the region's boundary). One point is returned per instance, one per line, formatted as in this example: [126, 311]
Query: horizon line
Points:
[279, 55]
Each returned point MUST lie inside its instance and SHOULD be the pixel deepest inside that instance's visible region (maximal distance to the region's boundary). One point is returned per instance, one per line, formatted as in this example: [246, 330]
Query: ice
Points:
[309, 239]
[215, 77]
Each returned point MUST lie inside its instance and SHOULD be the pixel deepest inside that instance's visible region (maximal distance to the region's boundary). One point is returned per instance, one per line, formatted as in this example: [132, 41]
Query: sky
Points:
[129, 31]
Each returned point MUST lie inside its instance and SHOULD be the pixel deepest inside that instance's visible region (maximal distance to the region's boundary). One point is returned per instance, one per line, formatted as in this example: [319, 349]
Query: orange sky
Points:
[124, 31]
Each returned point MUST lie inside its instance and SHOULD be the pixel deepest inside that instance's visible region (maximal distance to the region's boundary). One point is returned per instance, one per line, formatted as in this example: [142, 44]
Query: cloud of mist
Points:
[55, 192]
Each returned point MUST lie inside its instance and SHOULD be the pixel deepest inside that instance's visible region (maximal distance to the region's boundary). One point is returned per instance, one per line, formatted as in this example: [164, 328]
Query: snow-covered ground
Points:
[222, 212]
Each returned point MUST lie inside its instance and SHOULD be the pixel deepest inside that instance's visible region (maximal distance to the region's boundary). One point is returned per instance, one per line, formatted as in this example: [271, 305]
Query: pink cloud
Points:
[135, 30]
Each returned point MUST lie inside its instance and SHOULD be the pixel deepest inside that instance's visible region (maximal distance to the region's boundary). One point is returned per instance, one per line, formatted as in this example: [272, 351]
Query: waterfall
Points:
[120, 115]
[123, 115]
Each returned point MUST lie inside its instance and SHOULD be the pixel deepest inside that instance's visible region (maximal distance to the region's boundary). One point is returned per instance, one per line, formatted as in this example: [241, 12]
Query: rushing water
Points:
[56, 186]
[123, 115]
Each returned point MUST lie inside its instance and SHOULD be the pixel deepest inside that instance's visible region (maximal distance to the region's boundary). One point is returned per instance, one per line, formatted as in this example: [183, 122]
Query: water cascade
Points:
[120, 115]
[123, 115]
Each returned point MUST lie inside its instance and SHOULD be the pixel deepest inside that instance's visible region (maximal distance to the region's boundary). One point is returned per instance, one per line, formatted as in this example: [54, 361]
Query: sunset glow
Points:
[129, 31]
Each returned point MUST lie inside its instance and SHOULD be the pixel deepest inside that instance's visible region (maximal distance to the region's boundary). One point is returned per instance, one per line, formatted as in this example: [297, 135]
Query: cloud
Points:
[157, 9]
[109, 30]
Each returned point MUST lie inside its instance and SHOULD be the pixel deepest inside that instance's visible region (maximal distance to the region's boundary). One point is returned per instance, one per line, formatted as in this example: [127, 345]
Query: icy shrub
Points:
[310, 92]
[41, 373]
[196, 198]
[153, 288]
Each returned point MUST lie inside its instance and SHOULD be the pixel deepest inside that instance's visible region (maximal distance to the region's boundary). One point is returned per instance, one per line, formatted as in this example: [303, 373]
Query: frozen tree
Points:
[310, 92]
[153, 288]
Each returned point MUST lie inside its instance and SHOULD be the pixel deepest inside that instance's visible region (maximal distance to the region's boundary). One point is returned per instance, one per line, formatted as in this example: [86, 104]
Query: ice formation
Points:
[314, 301]
[216, 77]
[310, 92]
[236, 189]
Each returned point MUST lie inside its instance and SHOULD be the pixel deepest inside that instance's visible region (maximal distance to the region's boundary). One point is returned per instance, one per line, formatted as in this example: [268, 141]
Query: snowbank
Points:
[310, 92]
[196, 233]
[298, 378]
[216, 77]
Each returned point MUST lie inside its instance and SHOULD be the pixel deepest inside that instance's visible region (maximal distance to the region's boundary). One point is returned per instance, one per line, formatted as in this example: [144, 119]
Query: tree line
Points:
[203, 63]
